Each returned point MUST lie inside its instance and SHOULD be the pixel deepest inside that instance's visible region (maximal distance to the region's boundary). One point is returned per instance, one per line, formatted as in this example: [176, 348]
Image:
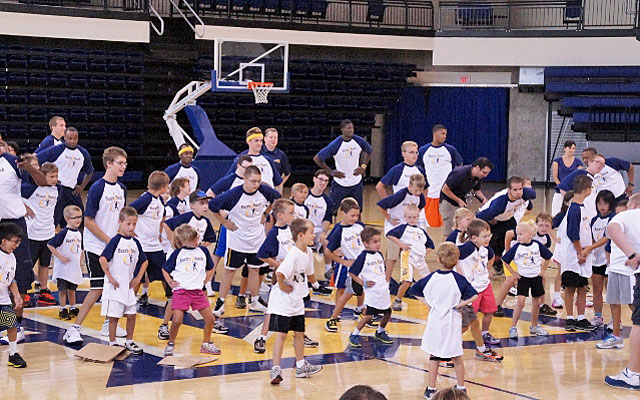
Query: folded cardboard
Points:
[102, 353]
[186, 361]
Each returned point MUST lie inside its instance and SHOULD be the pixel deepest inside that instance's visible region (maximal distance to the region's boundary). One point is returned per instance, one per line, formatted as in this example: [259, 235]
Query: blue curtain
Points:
[476, 119]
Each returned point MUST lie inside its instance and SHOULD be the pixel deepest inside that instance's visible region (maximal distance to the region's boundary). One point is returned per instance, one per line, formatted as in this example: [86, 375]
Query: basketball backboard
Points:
[238, 62]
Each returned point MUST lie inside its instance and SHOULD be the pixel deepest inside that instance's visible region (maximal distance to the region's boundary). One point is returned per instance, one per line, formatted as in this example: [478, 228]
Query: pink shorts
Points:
[486, 301]
[183, 298]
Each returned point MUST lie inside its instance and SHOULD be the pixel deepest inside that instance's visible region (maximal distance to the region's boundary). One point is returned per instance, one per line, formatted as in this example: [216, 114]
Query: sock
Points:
[556, 295]
[380, 329]
[541, 304]
[13, 348]
[254, 299]
[112, 343]
[580, 317]
[263, 337]
[129, 341]
[356, 331]
[599, 314]
[300, 363]
[482, 349]
[570, 317]
[430, 388]
[145, 290]
[327, 267]
[484, 332]
[223, 300]
[460, 387]
[358, 309]
[76, 326]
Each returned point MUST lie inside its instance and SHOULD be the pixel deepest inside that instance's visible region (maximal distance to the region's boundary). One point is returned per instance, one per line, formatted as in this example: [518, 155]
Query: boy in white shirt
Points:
[66, 248]
[286, 302]
[320, 213]
[124, 263]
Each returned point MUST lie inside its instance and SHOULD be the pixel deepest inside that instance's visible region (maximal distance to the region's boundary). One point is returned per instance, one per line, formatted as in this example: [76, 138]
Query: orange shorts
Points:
[432, 213]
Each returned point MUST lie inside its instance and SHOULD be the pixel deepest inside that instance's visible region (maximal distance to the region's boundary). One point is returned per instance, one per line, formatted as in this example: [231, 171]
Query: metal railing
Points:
[532, 15]
[110, 5]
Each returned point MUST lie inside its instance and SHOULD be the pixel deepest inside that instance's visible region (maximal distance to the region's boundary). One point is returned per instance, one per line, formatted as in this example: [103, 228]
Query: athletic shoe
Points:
[133, 347]
[143, 300]
[163, 332]
[597, 322]
[357, 312]
[241, 302]
[256, 306]
[64, 314]
[383, 337]
[276, 375]
[488, 338]
[45, 298]
[611, 342]
[168, 351]
[499, 312]
[105, 330]
[219, 328]
[513, 332]
[260, 345]
[397, 305]
[446, 364]
[218, 309]
[584, 325]
[625, 379]
[331, 325]
[72, 335]
[322, 291]
[264, 303]
[513, 291]
[374, 322]
[310, 343]
[16, 361]
[488, 355]
[570, 325]
[74, 311]
[354, 340]
[546, 310]
[557, 303]
[27, 301]
[264, 288]
[428, 394]
[209, 289]
[328, 274]
[537, 331]
[307, 370]
[209, 348]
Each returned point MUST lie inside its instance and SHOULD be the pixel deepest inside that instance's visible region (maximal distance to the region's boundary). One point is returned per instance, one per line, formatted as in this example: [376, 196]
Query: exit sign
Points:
[465, 79]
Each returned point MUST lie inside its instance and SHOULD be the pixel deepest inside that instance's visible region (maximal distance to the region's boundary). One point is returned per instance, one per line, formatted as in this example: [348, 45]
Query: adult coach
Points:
[595, 164]
[561, 167]
[351, 154]
[460, 182]
[624, 232]
[184, 169]
[58, 126]
[271, 150]
[268, 168]
[610, 176]
[438, 159]
[71, 160]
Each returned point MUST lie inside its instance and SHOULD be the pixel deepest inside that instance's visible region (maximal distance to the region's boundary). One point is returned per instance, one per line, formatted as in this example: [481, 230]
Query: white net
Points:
[261, 91]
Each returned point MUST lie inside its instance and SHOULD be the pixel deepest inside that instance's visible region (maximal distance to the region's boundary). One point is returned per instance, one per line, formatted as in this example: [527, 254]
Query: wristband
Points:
[632, 256]
[315, 285]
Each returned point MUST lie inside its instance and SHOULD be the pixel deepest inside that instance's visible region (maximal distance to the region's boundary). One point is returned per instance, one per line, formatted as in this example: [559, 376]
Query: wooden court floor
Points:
[562, 365]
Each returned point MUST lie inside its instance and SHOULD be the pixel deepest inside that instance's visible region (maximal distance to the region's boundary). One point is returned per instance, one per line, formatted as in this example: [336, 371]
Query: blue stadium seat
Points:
[97, 65]
[226, 116]
[78, 98]
[271, 6]
[592, 72]
[597, 87]
[58, 80]
[97, 82]
[38, 80]
[135, 100]
[97, 116]
[3, 78]
[299, 103]
[338, 87]
[116, 99]
[115, 82]
[135, 67]
[98, 131]
[77, 64]
[245, 116]
[256, 6]
[375, 12]
[135, 84]
[78, 81]
[58, 97]
[38, 97]
[56, 111]
[601, 102]
[38, 62]
[38, 114]
[58, 63]
[118, 115]
[18, 61]
[239, 5]
[3, 117]
[316, 103]
[77, 115]
[220, 5]
[17, 79]
[135, 133]
[16, 96]
[3, 96]
[17, 114]
[303, 8]
[3, 61]
[286, 7]
[117, 65]
[116, 132]
[318, 8]
[17, 131]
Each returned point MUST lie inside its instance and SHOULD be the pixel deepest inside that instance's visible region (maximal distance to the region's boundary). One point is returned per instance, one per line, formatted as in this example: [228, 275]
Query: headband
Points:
[254, 136]
[185, 149]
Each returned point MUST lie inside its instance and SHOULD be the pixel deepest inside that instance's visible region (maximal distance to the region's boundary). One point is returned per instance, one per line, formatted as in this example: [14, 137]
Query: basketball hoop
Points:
[260, 90]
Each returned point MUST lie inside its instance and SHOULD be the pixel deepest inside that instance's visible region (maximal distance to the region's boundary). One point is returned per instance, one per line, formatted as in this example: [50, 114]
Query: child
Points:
[605, 204]
[41, 200]
[286, 304]
[462, 219]
[445, 292]
[66, 248]
[368, 270]
[528, 255]
[120, 260]
[186, 271]
[345, 236]
[558, 252]
[179, 190]
[299, 193]
[320, 207]
[576, 265]
[10, 238]
[414, 244]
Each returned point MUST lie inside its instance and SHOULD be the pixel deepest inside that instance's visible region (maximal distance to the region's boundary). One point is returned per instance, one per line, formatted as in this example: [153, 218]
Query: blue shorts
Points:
[340, 274]
[221, 245]
[339, 193]
[156, 260]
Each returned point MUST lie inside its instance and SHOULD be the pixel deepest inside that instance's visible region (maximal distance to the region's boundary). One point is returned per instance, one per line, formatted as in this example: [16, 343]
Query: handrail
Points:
[193, 28]
[160, 31]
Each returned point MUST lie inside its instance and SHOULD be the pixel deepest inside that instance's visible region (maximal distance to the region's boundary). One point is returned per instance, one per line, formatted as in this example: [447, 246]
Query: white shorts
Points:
[412, 269]
[116, 309]
[556, 203]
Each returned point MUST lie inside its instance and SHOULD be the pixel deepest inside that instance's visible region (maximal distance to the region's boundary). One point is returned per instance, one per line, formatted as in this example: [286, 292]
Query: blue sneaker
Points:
[383, 337]
[624, 380]
[611, 342]
[354, 340]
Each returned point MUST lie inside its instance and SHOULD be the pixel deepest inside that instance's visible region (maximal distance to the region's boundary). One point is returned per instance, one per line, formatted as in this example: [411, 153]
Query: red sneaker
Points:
[45, 298]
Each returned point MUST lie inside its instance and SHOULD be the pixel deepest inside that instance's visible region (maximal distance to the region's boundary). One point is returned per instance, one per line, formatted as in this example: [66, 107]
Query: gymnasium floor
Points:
[562, 365]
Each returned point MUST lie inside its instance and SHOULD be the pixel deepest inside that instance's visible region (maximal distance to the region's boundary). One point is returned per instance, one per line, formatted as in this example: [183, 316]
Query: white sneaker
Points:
[589, 303]
[513, 291]
[537, 331]
[625, 379]
[256, 306]
[264, 288]
[597, 321]
[105, 330]
[557, 303]
[210, 292]
[72, 335]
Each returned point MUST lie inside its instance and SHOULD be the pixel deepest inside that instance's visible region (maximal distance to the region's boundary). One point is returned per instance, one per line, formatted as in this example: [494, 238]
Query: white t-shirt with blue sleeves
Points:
[188, 266]
[245, 210]
[346, 155]
[578, 227]
[598, 231]
[270, 172]
[369, 266]
[528, 257]
[320, 208]
[68, 242]
[179, 206]
[397, 203]
[47, 142]
[610, 177]
[277, 244]
[438, 161]
[474, 263]
[42, 200]
[70, 162]
[228, 182]
[150, 210]
[125, 257]
[11, 206]
[202, 225]
[192, 173]
[300, 210]
[501, 208]
[419, 240]
[347, 238]
[104, 202]
[7, 276]
[399, 175]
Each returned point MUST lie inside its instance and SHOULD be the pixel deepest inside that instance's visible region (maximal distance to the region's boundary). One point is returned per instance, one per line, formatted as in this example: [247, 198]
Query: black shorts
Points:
[376, 311]
[262, 271]
[64, 285]
[96, 274]
[236, 259]
[571, 279]
[156, 260]
[599, 270]
[534, 284]
[635, 315]
[40, 252]
[357, 288]
[8, 317]
[436, 358]
[499, 230]
[280, 323]
[24, 266]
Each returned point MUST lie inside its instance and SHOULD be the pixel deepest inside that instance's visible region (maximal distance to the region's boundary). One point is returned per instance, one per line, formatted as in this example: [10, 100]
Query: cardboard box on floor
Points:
[186, 361]
[102, 353]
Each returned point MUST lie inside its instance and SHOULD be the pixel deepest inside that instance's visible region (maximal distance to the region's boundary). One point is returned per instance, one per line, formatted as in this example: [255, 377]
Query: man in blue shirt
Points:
[184, 169]
[58, 127]
[271, 150]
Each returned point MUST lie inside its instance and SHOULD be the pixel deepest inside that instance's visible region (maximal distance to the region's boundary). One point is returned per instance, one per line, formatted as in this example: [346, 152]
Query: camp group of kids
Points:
[163, 236]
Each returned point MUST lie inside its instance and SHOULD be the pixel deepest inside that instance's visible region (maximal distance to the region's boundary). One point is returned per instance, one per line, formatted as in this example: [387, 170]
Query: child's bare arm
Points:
[13, 288]
[401, 245]
[333, 257]
[56, 253]
[105, 267]
[466, 302]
